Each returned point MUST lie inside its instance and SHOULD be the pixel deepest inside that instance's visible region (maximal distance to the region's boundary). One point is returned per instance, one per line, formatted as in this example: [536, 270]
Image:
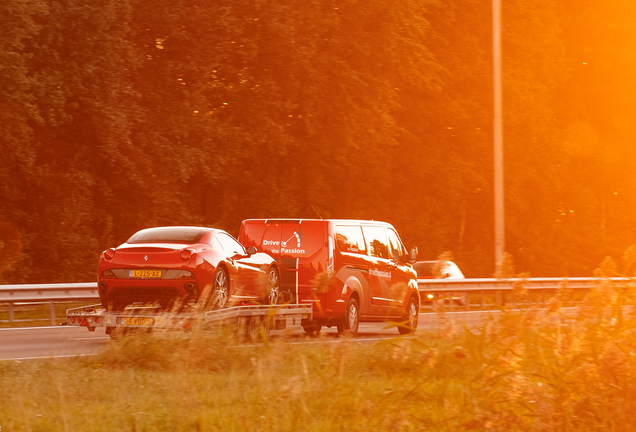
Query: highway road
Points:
[67, 341]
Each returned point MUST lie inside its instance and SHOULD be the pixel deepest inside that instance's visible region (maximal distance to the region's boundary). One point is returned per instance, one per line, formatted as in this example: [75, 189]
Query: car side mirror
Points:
[414, 254]
[251, 250]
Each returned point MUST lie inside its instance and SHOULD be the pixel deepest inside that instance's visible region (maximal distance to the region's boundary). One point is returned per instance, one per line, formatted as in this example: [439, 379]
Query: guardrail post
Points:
[52, 308]
[10, 312]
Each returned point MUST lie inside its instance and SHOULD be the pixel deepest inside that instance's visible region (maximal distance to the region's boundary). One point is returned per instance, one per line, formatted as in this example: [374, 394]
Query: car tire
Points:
[221, 291]
[273, 286]
[350, 320]
[313, 328]
[411, 317]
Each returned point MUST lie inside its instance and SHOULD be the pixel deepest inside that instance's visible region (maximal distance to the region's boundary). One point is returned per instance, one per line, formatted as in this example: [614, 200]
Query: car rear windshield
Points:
[169, 235]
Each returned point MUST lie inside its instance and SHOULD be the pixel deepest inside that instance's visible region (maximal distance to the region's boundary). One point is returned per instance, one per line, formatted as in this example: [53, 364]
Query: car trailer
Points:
[251, 322]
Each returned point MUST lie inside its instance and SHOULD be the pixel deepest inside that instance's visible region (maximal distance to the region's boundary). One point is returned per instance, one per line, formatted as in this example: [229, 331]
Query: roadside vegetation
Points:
[524, 371]
[118, 115]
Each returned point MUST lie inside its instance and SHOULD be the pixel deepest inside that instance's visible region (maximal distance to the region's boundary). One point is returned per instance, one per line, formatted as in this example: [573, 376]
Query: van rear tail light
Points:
[109, 254]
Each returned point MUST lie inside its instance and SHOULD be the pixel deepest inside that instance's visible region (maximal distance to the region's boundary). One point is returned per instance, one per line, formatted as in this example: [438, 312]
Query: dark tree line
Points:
[116, 115]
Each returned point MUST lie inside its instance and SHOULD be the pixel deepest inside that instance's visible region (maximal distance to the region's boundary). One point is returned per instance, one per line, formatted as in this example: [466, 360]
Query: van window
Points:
[376, 239]
[397, 248]
[350, 239]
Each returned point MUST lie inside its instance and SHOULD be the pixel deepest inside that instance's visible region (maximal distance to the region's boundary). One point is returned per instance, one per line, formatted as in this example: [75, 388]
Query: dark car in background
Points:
[165, 264]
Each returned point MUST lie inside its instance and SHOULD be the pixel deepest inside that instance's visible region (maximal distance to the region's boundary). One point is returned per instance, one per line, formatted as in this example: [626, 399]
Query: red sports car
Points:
[160, 265]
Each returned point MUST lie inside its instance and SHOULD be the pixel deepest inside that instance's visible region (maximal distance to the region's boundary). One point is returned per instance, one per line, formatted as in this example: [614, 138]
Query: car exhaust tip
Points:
[191, 289]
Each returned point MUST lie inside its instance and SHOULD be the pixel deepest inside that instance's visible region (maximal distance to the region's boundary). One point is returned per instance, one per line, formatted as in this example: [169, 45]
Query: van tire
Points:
[411, 316]
[350, 320]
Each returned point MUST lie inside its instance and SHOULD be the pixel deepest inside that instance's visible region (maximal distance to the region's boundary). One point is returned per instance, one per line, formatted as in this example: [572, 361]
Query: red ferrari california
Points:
[160, 265]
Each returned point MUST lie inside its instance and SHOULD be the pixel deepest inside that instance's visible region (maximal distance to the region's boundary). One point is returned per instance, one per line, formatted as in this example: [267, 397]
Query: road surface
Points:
[66, 341]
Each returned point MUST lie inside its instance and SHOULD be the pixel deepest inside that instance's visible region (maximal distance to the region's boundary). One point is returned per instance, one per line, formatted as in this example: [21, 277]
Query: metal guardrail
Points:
[491, 284]
[51, 293]
[62, 292]
[48, 292]
[502, 291]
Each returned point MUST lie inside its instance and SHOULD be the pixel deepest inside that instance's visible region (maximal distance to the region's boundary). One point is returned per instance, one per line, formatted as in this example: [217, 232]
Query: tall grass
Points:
[525, 371]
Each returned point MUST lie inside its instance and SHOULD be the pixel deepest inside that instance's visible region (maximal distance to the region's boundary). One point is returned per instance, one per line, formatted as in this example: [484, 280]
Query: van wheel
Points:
[221, 290]
[313, 328]
[411, 317]
[273, 286]
[351, 319]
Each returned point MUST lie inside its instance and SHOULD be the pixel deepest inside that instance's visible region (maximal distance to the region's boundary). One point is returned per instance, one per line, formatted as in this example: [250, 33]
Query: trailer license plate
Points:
[137, 321]
[145, 273]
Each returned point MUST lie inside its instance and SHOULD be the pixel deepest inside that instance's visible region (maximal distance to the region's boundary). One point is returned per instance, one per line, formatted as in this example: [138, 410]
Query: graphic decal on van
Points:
[380, 273]
[291, 246]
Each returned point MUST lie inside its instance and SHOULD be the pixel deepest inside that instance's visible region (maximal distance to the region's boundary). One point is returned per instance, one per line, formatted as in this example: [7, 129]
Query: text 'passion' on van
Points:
[351, 271]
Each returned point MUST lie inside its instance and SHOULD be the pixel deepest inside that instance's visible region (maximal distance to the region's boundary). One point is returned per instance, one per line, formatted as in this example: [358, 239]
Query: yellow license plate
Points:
[145, 273]
[137, 321]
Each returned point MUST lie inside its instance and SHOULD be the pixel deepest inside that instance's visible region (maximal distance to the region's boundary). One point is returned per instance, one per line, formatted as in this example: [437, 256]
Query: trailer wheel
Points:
[115, 333]
[254, 328]
[241, 329]
[313, 328]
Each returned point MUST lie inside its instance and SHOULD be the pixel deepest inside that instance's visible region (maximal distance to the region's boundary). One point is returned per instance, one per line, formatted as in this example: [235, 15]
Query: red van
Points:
[351, 271]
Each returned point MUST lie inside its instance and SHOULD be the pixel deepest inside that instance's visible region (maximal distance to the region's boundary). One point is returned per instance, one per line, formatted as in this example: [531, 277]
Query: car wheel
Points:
[411, 317]
[350, 321]
[273, 286]
[221, 290]
[313, 328]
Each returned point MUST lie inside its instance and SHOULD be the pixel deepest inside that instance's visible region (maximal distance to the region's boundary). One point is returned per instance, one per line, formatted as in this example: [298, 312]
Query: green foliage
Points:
[119, 115]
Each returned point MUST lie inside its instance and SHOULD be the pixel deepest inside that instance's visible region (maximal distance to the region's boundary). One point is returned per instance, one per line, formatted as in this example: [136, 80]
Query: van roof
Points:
[291, 220]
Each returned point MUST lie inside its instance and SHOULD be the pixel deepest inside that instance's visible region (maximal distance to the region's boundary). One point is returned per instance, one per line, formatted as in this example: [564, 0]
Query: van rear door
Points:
[298, 246]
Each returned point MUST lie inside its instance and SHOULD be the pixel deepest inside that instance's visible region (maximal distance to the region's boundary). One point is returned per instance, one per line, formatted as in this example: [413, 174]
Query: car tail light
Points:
[186, 254]
[109, 254]
[108, 274]
[185, 274]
